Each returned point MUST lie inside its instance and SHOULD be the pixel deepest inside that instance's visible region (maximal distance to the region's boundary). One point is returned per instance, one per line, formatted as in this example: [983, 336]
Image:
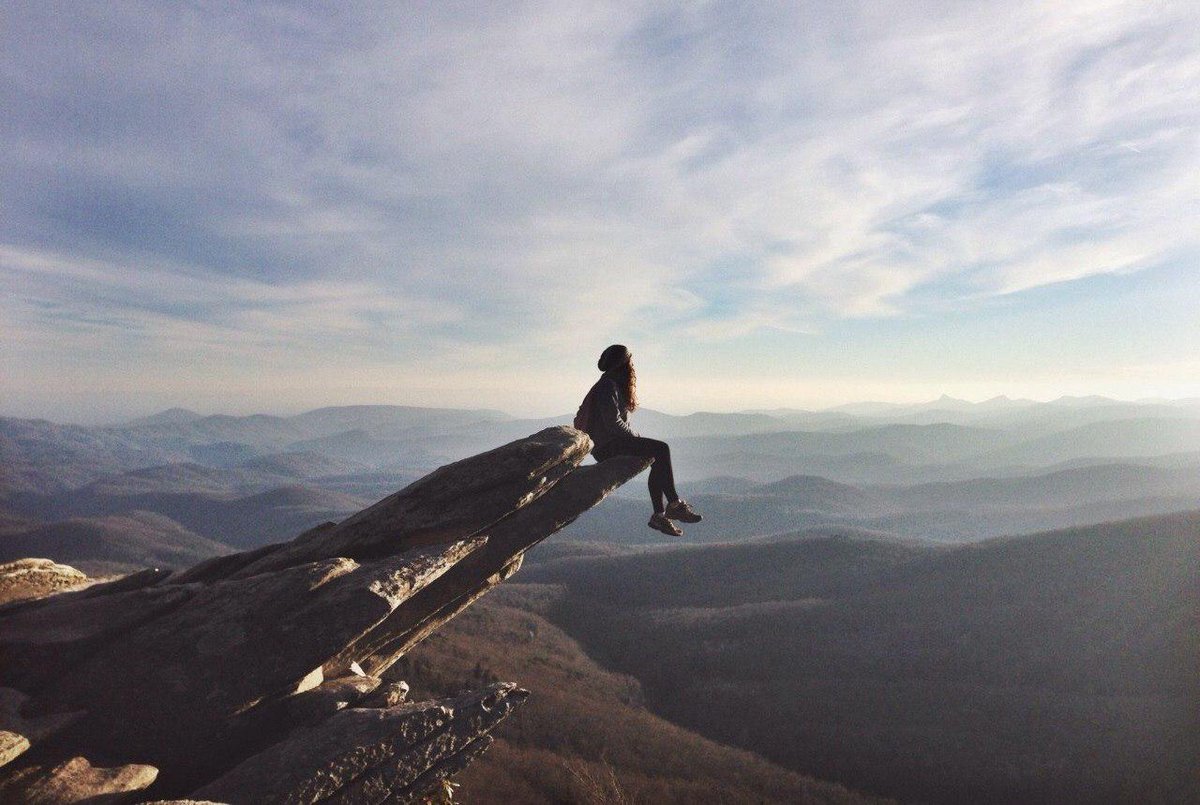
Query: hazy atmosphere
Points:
[272, 207]
[604, 404]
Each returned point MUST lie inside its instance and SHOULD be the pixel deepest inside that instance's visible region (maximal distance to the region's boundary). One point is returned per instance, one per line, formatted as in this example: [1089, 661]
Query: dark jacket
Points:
[608, 415]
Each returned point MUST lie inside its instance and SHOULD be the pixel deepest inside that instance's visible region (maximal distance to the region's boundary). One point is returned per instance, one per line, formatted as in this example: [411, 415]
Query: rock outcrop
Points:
[35, 578]
[255, 677]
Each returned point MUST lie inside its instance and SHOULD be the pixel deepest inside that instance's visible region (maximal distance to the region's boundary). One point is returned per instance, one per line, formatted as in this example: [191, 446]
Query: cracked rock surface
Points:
[254, 677]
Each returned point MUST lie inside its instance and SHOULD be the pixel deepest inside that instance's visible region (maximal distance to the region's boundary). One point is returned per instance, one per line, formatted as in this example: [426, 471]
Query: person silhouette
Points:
[604, 416]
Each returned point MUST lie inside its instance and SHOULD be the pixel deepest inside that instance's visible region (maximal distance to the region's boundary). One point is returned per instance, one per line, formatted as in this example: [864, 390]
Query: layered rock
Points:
[254, 677]
[365, 755]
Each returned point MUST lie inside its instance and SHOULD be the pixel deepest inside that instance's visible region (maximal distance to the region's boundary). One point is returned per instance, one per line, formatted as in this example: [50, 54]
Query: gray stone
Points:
[451, 503]
[12, 745]
[389, 694]
[419, 767]
[332, 695]
[75, 780]
[51, 636]
[34, 578]
[166, 691]
[248, 670]
[314, 763]
[223, 567]
[366, 755]
[435, 778]
[508, 540]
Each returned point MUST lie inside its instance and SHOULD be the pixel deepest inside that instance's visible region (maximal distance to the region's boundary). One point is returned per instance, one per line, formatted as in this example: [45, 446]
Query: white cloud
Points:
[376, 181]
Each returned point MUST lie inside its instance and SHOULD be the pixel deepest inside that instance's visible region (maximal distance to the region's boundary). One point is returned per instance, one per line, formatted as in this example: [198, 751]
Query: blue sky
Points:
[271, 207]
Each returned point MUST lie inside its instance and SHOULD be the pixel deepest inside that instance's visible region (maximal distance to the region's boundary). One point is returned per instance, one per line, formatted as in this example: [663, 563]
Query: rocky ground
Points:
[256, 677]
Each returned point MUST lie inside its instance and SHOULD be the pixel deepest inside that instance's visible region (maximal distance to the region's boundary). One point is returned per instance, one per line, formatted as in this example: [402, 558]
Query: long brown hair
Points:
[626, 377]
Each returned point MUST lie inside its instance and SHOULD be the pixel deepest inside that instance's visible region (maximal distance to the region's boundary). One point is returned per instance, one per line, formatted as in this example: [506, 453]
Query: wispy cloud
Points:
[380, 181]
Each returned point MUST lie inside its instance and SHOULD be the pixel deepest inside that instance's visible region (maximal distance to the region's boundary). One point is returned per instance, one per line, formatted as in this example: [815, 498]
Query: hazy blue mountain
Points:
[814, 492]
[1122, 438]
[1032, 418]
[222, 454]
[391, 420]
[38, 455]
[176, 478]
[942, 440]
[258, 431]
[703, 423]
[171, 416]
[966, 481]
[113, 543]
[771, 456]
[721, 484]
[371, 486]
[941, 512]
[301, 464]
[1067, 487]
[215, 512]
[801, 419]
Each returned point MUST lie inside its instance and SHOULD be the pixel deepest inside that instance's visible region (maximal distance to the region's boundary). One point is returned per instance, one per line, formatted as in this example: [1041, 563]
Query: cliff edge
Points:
[255, 677]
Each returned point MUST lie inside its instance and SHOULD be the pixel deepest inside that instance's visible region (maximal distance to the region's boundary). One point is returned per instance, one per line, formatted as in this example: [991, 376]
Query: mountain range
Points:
[946, 471]
[937, 603]
[1054, 667]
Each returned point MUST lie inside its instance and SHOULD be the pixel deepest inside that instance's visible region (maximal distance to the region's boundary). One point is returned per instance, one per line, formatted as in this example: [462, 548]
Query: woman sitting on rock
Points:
[604, 415]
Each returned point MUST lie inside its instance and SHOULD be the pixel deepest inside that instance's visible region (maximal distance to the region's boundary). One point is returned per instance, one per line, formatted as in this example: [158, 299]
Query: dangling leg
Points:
[676, 509]
[661, 482]
[656, 490]
[662, 468]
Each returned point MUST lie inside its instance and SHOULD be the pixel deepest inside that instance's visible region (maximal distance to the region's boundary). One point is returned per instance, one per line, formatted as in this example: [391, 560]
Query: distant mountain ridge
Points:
[975, 470]
[943, 511]
[117, 543]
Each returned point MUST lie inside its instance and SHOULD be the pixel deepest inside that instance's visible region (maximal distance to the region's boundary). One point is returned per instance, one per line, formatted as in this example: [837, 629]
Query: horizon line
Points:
[831, 409]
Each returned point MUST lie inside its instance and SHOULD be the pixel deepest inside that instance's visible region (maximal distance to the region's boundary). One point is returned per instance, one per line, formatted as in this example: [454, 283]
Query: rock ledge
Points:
[255, 677]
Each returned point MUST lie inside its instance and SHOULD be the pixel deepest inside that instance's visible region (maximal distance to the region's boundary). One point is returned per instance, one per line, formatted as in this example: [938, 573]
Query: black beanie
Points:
[614, 356]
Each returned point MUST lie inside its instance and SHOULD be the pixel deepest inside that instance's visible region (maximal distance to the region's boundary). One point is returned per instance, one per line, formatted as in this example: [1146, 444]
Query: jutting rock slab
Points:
[254, 677]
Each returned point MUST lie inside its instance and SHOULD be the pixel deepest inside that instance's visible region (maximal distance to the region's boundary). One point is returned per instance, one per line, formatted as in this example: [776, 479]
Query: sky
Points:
[244, 207]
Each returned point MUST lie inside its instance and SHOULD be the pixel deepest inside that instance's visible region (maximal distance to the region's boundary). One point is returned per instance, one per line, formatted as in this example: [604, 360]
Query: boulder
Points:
[75, 780]
[34, 578]
[12, 746]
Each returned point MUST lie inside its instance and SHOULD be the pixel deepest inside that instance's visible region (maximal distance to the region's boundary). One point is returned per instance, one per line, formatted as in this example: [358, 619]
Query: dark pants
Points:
[662, 478]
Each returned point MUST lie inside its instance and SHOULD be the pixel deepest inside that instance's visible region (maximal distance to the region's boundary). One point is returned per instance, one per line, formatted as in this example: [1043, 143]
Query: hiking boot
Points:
[680, 510]
[659, 522]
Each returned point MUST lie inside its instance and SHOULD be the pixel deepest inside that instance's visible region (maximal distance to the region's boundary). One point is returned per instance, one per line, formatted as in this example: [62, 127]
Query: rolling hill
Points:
[955, 511]
[584, 735]
[113, 544]
[1053, 667]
